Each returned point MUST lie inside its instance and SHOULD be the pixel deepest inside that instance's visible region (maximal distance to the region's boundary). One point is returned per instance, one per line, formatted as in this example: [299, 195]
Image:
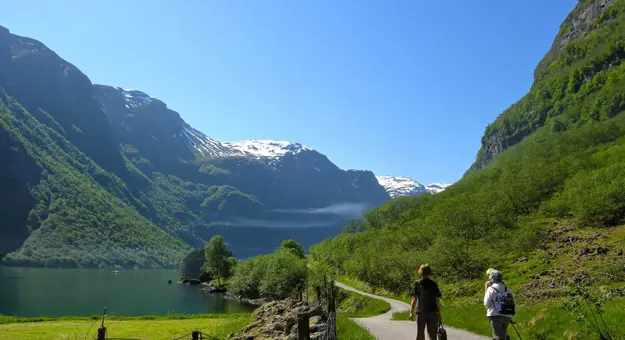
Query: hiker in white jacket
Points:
[498, 322]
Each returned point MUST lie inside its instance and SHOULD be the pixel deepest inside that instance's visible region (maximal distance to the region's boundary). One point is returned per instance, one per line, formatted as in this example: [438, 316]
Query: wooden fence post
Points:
[318, 293]
[102, 333]
[303, 330]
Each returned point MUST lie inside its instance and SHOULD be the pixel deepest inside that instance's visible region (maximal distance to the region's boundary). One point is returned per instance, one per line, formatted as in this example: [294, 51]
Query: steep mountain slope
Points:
[574, 68]
[59, 214]
[537, 205]
[97, 175]
[397, 186]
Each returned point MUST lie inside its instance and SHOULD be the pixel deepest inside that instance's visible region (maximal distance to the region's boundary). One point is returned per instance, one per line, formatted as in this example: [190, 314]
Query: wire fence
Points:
[329, 332]
[326, 296]
[195, 335]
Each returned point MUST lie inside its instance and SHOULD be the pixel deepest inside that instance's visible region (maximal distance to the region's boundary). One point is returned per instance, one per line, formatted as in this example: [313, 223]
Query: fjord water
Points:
[79, 292]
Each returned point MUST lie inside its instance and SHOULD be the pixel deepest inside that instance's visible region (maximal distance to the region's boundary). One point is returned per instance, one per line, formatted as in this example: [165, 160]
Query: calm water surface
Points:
[77, 292]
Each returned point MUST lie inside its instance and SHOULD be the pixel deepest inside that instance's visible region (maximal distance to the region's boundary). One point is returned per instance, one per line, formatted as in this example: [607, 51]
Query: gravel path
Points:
[383, 328]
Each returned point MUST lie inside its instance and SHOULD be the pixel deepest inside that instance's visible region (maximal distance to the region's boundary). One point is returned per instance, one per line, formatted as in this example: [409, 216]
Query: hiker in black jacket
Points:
[426, 296]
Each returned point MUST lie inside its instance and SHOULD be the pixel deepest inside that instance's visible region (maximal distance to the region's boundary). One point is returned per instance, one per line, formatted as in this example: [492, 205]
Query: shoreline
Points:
[226, 295]
[253, 302]
[9, 319]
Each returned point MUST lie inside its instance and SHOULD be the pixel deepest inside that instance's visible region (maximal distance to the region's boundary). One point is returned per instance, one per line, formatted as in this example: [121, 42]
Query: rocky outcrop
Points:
[277, 320]
[575, 26]
[492, 145]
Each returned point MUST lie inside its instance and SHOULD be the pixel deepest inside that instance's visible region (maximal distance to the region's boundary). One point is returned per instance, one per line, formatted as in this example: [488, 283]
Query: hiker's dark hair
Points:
[425, 270]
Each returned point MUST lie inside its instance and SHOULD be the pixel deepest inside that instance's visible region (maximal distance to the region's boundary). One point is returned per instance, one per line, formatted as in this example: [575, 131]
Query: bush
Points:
[276, 275]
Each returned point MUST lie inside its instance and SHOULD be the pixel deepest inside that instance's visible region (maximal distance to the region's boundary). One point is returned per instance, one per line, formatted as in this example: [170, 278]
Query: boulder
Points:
[278, 320]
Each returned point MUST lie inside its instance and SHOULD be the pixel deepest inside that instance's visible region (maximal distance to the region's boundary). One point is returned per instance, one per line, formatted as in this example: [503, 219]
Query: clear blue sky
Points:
[397, 87]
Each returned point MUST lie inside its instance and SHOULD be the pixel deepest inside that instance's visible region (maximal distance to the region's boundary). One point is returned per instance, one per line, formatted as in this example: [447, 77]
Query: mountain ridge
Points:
[398, 186]
[167, 185]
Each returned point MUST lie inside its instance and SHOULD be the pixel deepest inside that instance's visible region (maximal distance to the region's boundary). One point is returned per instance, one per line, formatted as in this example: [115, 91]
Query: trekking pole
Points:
[517, 332]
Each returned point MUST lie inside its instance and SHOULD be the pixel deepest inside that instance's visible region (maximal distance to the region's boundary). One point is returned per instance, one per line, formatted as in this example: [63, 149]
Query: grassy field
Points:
[153, 328]
[354, 305]
[347, 329]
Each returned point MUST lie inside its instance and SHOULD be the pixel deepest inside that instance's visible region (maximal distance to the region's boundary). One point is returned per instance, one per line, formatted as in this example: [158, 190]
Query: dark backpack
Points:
[504, 302]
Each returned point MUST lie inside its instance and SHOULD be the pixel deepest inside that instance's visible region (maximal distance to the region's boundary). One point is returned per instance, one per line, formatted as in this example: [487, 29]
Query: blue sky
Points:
[397, 87]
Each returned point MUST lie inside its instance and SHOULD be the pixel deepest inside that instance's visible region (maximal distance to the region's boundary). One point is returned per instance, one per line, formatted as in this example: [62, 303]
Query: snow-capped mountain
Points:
[435, 188]
[267, 148]
[404, 186]
[208, 147]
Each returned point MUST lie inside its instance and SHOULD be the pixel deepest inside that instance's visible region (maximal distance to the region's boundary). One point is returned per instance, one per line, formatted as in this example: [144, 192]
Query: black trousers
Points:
[427, 321]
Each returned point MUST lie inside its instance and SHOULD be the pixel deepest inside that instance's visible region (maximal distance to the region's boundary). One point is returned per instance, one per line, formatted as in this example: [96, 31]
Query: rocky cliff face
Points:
[576, 25]
[507, 130]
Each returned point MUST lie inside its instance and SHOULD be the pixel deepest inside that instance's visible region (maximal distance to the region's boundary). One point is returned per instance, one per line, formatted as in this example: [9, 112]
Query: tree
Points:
[191, 266]
[293, 246]
[217, 258]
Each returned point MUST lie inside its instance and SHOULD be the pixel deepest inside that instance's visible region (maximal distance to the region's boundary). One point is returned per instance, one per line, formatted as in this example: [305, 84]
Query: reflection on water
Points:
[59, 292]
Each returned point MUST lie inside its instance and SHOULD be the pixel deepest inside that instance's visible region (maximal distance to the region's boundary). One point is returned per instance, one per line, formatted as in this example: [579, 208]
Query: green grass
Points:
[355, 283]
[354, 305]
[154, 328]
[348, 330]
[5, 319]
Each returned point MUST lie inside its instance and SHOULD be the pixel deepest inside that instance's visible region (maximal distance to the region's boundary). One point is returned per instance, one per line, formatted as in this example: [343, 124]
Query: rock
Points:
[569, 239]
[617, 291]
[278, 320]
[315, 311]
[316, 336]
[313, 323]
[523, 259]
[207, 287]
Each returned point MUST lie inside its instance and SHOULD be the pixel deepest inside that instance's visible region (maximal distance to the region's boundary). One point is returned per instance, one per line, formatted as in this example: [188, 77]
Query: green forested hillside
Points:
[71, 219]
[539, 208]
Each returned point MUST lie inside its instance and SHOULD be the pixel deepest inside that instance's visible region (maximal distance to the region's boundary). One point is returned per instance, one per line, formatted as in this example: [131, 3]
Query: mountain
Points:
[404, 186]
[544, 201]
[95, 175]
[543, 102]
[62, 196]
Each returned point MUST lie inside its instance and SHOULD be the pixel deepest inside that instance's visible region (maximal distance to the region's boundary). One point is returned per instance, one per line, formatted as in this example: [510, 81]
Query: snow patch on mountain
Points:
[267, 148]
[208, 147]
[400, 186]
[404, 186]
[134, 98]
[436, 188]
